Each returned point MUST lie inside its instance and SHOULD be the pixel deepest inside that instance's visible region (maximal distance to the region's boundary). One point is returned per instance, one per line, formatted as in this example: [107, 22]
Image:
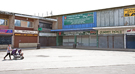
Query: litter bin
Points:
[74, 45]
[38, 46]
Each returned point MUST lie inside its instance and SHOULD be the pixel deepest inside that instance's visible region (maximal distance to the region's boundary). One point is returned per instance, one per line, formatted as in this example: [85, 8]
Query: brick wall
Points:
[59, 22]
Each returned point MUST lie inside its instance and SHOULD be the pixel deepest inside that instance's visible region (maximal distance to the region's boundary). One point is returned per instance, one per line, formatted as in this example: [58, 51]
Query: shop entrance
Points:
[130, 41]
[47, 41]
[111, 41]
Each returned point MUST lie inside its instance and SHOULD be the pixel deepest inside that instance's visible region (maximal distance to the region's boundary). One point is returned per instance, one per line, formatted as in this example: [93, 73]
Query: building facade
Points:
[113, 28]
[25, 32]
[46, 37]
[6, 29]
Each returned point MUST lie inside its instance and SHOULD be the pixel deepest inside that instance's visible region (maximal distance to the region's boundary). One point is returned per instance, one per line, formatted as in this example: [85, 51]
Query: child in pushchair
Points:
[17, 55]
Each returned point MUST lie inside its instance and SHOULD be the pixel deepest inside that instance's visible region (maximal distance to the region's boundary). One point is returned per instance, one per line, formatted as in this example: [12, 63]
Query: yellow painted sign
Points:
[129, 12]
[26, 35]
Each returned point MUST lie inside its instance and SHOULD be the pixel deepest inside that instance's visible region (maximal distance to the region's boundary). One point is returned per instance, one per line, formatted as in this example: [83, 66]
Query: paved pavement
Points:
[124, 69]
[54, 58]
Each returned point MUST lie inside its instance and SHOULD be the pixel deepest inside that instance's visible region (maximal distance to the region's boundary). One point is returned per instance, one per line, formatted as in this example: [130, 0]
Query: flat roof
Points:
[90, 11]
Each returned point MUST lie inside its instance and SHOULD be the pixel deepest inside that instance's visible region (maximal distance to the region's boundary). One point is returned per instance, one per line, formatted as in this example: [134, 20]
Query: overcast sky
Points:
[33, 7]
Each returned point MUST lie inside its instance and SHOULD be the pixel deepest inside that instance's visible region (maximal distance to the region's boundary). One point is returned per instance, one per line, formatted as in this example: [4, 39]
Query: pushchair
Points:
[17, 55]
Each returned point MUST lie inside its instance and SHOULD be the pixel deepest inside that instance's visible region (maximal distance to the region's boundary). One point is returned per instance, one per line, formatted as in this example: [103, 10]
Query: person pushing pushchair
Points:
[17, 55]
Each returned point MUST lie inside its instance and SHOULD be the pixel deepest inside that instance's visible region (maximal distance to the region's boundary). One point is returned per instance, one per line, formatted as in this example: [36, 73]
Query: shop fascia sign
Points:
[26, 31]
[47, 34]
[77, 33]
[111, 32]
[130, 31]
[6, 31]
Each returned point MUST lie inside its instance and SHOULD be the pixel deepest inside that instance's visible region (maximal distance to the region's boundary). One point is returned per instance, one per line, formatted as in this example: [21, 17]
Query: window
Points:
[29, 24]
[17, 23]
[3, 22]
[45, 25]
[23, 23]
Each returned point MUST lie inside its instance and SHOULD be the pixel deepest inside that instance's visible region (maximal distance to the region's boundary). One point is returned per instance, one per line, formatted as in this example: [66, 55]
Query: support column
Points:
[97, 37]
[125, 41]
[11, 26]
[57, 39]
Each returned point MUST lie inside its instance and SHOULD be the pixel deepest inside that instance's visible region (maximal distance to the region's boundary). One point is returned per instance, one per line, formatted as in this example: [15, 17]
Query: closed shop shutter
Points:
[102, 41]
[51, 41]
[110, 41]
[119, 41]
[65, 40]
[71, 40]
[130, 41]
[93, 41]
[42, 41]
[85, 40]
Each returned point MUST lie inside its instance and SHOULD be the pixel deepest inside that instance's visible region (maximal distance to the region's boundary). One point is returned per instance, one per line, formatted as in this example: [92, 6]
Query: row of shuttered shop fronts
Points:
[113, 41]
[104, 39]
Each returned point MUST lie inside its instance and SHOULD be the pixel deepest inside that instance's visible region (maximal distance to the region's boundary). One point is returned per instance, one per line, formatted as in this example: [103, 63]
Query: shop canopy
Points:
[79, 29]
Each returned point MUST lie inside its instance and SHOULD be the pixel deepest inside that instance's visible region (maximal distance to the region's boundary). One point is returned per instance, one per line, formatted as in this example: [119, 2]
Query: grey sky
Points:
[32, 7]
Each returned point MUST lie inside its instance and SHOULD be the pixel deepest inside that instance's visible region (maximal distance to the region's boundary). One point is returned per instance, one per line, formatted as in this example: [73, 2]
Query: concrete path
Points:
[66, 58]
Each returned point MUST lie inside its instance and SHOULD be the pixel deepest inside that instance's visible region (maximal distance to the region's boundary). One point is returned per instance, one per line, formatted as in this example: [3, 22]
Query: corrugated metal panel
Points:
[102, 41]
[126, 21]
[102, 18]
[131, 20]
[116, 17]
[111, 18]
[65, 40]
[71, 40]
[107, 18]
[85, 40]
[93, 41]
[110, 40]
[121, 17]
[119, 41]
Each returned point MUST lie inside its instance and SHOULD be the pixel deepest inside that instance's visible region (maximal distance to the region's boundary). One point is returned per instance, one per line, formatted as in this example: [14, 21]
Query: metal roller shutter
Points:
[110, 41]
[119, 41]
[65, 40]
[102, 41]
[71, 41]
[85, 40]
[93, 41]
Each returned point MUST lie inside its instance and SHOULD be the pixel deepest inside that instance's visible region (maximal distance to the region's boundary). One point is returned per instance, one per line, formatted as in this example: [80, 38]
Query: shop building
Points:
[77, 29]
[25, 31]
[130, 38]
[46, 37]
[111, 25]
[6, 29]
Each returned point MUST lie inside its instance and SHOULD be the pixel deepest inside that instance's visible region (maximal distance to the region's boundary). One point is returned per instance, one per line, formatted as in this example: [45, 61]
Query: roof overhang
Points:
[67, 30]
[6, 13]
[115, 27]
[35, 17]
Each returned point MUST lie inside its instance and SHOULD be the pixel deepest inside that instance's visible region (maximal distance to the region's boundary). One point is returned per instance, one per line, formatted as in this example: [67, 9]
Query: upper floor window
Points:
[3, 22]
[17, 23]
[23, 23]
[45, 25]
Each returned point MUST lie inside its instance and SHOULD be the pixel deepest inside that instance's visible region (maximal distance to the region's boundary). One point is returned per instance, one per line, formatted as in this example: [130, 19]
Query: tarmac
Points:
[59, 58]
